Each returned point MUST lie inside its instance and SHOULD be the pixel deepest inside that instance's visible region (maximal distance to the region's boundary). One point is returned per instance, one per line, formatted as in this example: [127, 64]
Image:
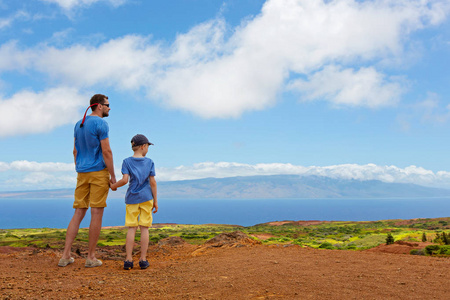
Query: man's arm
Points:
[108, 158]
[154, 192]
[74, 152]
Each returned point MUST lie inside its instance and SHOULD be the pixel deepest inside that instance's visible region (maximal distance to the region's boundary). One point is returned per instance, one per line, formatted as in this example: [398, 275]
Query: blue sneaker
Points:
[144, 264]
[127, 265]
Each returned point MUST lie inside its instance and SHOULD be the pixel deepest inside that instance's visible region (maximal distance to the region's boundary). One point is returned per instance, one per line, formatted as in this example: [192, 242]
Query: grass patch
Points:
[340, 235]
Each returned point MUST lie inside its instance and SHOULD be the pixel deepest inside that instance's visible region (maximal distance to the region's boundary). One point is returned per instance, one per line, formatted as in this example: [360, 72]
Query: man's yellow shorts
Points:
[92, 189]
[139, 214]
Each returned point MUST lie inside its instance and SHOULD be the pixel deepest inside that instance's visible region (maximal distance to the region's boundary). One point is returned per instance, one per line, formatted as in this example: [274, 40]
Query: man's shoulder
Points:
[98, 120]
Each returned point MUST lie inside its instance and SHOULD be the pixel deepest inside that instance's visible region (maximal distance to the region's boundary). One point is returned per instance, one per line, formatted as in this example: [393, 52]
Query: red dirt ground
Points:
[240, 270]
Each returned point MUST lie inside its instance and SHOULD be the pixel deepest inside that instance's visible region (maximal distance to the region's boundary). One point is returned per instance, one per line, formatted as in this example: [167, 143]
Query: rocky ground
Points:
[229, 267]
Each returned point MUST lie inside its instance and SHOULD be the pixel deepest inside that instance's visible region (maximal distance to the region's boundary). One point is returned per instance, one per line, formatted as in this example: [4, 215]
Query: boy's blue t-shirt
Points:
[87, 143]
[139, 169]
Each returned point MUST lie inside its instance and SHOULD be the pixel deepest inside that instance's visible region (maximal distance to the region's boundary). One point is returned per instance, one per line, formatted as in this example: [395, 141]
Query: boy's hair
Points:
[97, 98]
[134, 148]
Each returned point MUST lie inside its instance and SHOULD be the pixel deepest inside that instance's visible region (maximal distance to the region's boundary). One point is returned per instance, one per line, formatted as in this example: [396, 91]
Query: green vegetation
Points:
[325, 235]
[389, 239]
[438, 250]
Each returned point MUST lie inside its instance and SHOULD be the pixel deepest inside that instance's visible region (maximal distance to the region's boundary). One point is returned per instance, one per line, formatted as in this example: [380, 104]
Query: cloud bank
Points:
[391, 174]
[21, 175]
[323, 50]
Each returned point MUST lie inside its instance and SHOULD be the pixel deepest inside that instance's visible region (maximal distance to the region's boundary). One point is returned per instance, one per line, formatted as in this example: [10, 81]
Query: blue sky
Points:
[346, 89]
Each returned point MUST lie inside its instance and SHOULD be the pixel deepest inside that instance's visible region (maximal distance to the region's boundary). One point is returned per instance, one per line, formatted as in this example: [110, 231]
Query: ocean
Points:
[54, 213]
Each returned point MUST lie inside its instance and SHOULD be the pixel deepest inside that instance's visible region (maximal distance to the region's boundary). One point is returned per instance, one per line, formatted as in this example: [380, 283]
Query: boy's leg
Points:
[94, 230]
[72, 230]
[144, 242]
[130, 242]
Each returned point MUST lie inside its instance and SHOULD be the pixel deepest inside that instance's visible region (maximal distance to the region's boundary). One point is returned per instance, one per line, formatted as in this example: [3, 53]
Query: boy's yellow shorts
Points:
[139, 214]
[92, 189]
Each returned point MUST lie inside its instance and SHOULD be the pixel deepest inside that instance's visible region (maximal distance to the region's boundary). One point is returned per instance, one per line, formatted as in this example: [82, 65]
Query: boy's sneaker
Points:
[127, 265]
[144, 264]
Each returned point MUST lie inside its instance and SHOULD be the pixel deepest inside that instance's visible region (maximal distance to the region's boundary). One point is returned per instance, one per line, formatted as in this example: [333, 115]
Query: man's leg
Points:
[94, 230]
[72, 230]
[144, 242]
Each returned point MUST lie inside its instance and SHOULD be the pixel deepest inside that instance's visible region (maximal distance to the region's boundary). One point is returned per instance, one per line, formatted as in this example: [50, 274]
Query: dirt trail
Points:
[232, 271]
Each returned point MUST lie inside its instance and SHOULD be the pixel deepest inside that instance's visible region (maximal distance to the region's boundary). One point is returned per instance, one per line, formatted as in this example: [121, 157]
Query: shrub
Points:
[284, 239]
[437, 238]
[417, 252]
[389, 239]
[424, 237]
[437, 250]
[298, 242]
[445, 239]
[326, 245]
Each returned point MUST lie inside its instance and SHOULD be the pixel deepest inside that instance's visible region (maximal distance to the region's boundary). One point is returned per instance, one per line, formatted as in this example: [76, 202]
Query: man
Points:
[94, 165]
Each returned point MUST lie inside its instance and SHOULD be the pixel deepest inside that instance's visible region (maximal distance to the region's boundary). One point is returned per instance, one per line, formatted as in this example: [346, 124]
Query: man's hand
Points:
[155, 207]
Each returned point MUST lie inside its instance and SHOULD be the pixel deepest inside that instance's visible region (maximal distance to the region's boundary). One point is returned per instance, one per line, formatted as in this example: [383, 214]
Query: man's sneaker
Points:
[127, 265]
[64, 262]
[144, 264]
[93, 263]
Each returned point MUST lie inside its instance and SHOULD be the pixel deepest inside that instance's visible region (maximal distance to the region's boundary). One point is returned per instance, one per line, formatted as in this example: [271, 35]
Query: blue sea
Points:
[54, 213]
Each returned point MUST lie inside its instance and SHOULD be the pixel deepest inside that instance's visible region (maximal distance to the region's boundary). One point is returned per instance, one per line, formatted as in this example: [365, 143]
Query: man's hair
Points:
[97, 98]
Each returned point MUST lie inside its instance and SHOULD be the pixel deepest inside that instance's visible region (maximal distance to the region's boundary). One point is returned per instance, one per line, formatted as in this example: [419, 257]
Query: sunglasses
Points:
[105, 104]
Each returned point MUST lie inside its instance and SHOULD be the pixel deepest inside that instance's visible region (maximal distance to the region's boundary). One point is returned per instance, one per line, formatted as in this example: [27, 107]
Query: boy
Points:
[140, 198]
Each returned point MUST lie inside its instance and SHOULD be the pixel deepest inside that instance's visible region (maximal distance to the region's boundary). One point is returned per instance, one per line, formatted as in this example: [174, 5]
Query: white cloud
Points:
[8, 21]
[14, 59]
[431, 109]
[218, 72]
[71, 4]
[127, 63]
[40, 179]
[32, 166]
[29, 112]
[49, 175]
[31, 175]
[365, 87]
[393, 174]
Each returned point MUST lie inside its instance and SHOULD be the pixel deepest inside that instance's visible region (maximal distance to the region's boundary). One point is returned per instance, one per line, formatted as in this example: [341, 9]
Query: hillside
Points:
[275, 260]
[266, 187]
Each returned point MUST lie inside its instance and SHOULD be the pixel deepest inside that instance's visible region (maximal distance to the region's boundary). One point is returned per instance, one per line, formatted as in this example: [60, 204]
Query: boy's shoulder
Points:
[134, 159]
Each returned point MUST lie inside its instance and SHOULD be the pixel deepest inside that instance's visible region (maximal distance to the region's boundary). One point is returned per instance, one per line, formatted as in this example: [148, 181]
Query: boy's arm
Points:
[119, 183]
[154, 192]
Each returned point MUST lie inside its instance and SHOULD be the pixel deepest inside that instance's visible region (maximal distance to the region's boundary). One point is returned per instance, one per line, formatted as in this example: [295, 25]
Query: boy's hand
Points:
[155, 208]
[112, 186]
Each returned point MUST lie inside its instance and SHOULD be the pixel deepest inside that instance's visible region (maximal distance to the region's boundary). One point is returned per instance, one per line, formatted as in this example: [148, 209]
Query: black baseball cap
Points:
[139, 139]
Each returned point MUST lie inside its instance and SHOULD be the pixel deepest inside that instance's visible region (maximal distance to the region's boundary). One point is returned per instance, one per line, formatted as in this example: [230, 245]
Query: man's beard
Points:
[105, 114]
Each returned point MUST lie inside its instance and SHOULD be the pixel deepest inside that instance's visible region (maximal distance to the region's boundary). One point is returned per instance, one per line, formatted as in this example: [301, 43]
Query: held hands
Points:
[155, 207]
[112, 183]
[113, 186]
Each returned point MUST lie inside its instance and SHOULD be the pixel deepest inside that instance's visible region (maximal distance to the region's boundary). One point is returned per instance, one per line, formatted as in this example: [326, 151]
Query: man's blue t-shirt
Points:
[87, 143]
[139, 169]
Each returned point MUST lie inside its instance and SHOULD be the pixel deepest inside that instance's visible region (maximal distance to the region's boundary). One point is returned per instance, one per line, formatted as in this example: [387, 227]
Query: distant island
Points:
[265, 187]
